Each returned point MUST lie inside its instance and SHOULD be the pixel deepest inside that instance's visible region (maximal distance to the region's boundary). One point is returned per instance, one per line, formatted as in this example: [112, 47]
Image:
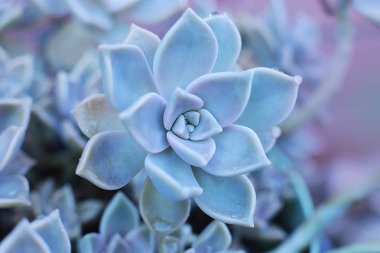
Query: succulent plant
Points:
[14, 187]
[44, 235]
[171, 109]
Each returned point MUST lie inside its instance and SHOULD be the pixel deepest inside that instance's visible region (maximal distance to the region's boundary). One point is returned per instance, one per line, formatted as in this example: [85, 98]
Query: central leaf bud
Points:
[185, 124]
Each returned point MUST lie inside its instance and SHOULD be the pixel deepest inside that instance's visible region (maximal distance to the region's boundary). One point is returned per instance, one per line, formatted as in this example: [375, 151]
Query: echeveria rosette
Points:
[45, 235]
[73, 213]
[120, 230]
[14, 187]
[178, 104]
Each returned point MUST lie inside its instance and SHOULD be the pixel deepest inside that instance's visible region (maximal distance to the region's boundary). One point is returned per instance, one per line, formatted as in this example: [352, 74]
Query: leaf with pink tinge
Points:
[143, 120]
[95, 115]
[231, 200]
[196, 153]
[126, 74]
[111, 159]
[162, 215]
[171, 175]
[238, 151]
[225, 94]
[187, 51]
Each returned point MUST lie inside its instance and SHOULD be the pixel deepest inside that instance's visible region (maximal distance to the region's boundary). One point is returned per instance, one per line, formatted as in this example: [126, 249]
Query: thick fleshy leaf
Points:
[144, 121]
[268, 137]
[95, 115]
[238, 151]
[20, 164]
[24, 239]
[215, 236]
[207, 127]
[14, 112]
[141, 239]
[229, 41]
[187, 51]
[89, 209]
[369, 8]
[90, 12]
[273, 97]
[147, 41]
[126, 74]
[10, 142]
[14, 191]
[224, 94]
[111, 159]
[162, 215]
[117, 245]
[117, 5]
[171, 176]
[193, 117]
[231, 200]
[51, 229]
[180, 102]
[169, 244]
[120, 217]
[150, 12]
[180, 128]
[91, 243]
[196, 153]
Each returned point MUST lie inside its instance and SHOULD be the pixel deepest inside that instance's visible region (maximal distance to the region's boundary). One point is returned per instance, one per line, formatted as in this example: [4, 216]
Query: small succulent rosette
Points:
[44, 235]
[120, 230]
[70, 89]
[14, 187]
[215, 238]
[272, 41]
[73, 213]
[174, 108]
[92, 22]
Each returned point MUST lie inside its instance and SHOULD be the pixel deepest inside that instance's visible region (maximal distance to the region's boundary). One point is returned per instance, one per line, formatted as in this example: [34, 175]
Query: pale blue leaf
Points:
[51, 229]
[171, 176]
[180, 102]
[24, 239]
[206, 128]
[143, 119]
[119, 217]
[126, 74]
[224, 94]
[187, 51]
[91, 243]
[230, 200]
[229, 41]
[273, 96]
[238, 151]
[14, 191]
[268, 137]
[95, 115]
[162, 215]
[10, 142]
[117, 245]
[147, 41]
[141, 239]
[215, 236]
[196, 153]
[111, 159]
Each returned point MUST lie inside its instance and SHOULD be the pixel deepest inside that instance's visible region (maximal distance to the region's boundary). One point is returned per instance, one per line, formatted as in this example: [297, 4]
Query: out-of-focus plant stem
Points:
[300, 188]
[335, 76]
[367, 247]
[325, 215]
